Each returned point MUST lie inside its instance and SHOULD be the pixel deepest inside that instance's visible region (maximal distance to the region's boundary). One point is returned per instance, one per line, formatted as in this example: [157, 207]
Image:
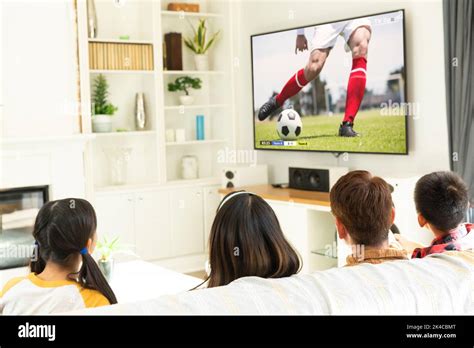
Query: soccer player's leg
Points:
[295, 83]
[358, 43]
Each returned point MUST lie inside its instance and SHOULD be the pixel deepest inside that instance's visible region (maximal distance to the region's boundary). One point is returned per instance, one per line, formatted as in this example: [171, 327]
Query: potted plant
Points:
[106, 247]
[199, 45]
[184, 83]
[103, 110]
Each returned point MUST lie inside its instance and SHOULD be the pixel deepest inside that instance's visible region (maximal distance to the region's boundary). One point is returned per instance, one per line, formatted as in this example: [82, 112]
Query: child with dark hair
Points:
[64, 276]
[246, 240]
[441, 200]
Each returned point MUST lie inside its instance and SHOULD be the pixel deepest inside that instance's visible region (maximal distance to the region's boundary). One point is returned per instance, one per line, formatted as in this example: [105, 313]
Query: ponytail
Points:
[37, 263]
[91, 277]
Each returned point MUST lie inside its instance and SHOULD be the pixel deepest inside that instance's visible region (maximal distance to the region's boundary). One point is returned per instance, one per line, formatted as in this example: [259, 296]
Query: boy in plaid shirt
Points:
[441, 199]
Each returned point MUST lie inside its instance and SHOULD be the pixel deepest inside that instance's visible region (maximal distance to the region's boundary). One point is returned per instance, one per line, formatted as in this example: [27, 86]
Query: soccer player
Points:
[357, 34]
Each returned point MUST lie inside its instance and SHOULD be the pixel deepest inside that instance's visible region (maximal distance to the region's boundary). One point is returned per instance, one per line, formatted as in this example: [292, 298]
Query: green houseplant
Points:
[184, 83]
[106, 248]
[102, 109]
[200, 44]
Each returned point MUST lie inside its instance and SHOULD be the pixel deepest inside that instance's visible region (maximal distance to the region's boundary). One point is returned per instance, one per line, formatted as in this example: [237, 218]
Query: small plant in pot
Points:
[106, 248]
[200, 45]
[184, 83]
[103, 110]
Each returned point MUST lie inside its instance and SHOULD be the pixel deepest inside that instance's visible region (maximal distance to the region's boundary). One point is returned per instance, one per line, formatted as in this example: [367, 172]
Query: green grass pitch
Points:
[378, 133]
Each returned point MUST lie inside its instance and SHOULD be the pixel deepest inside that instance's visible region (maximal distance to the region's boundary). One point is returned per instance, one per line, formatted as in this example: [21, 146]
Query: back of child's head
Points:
[246, 240]
[363, 204]
[62, 231]
[442, 199]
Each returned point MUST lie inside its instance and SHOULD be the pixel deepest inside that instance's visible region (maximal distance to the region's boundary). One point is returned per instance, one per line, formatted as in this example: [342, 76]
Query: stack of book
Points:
[120, 56]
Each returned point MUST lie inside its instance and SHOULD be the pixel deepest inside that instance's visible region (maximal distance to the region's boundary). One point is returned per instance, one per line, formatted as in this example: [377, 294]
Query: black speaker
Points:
[309, 179]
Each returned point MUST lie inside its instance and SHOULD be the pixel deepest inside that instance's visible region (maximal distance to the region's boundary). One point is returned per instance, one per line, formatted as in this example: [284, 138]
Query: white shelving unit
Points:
[183, 14]
[147, 210]
[193, 72]
[146, 22]
[121, 72]
[197, 142]
[190, 107]
[122, 41]
[125, 134]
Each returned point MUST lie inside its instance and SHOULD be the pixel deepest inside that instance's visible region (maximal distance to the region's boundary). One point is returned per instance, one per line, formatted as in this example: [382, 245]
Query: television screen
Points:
[332, 87]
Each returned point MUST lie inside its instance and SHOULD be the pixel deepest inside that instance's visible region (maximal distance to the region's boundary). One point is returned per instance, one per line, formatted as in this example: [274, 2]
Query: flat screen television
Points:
[332, 87]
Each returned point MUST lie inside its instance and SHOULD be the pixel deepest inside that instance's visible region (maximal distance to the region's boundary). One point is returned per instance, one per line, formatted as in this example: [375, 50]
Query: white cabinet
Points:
[161, 223]
[212, 198]
[115, 216]
[141, 220]
[153, 225]
[187, 221]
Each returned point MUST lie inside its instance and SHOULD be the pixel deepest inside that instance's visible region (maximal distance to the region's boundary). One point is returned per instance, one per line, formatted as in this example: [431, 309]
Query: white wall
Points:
[39, 68]
[428, 138]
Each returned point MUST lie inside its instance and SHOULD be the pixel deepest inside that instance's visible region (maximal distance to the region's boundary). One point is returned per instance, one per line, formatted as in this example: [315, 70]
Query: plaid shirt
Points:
[450, 241]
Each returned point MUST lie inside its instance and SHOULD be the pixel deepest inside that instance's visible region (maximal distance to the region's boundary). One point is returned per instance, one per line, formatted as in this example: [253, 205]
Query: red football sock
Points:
[355, 88]
[293, 86]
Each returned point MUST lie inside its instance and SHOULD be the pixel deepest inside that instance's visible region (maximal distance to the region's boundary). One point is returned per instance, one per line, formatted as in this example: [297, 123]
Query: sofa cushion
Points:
[437, 284]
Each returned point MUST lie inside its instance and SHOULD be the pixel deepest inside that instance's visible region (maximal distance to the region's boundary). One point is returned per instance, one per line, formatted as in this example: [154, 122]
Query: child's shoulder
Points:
[10, 284]
[93, 298]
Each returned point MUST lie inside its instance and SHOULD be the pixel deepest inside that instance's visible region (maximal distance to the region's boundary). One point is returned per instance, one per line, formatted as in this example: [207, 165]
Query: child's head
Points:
[441, 200]
[363, 208]
[246, 240]
[65, 232]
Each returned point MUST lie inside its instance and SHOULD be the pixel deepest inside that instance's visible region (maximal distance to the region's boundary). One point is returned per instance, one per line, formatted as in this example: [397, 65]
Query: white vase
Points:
[201, 61]
[101, 123]
[91, 20]
[119, 158]
[186, 99]
[107, 267]
[189, 167]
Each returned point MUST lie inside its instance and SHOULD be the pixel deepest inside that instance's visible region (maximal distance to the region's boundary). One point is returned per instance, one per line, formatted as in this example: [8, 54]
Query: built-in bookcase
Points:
[146, 22]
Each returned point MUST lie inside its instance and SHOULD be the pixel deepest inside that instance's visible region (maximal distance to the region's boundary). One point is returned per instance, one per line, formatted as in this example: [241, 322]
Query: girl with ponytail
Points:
[64, 276]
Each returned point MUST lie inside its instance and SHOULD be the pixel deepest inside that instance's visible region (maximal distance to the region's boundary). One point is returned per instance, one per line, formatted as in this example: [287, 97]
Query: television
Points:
[333, 87]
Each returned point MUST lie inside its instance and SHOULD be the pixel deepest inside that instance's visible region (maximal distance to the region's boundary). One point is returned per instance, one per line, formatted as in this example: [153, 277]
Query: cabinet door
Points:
[153, 225]
[212, 199]
[115, 217]
[187, 221]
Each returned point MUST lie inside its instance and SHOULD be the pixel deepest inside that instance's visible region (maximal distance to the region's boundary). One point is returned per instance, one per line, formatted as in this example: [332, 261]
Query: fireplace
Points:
[18, 209]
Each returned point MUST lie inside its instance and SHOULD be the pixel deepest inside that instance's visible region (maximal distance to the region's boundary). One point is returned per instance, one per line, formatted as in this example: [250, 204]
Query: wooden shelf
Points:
[191, 14]
[190, 107]
[193, 72]
[285, 194]
[196, 142]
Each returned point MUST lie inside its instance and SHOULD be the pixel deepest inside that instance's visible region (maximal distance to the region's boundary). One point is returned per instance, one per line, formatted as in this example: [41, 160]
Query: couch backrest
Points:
[438, 284]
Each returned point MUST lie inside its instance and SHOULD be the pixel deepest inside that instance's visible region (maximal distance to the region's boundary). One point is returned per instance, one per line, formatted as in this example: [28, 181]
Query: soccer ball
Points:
[289, 125]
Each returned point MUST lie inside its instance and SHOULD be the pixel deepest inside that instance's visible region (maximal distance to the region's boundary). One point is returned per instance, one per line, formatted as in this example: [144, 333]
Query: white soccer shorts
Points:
[325, 36]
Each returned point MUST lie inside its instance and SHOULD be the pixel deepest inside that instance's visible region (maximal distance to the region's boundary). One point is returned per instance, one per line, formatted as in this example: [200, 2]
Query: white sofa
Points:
[438, 284]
